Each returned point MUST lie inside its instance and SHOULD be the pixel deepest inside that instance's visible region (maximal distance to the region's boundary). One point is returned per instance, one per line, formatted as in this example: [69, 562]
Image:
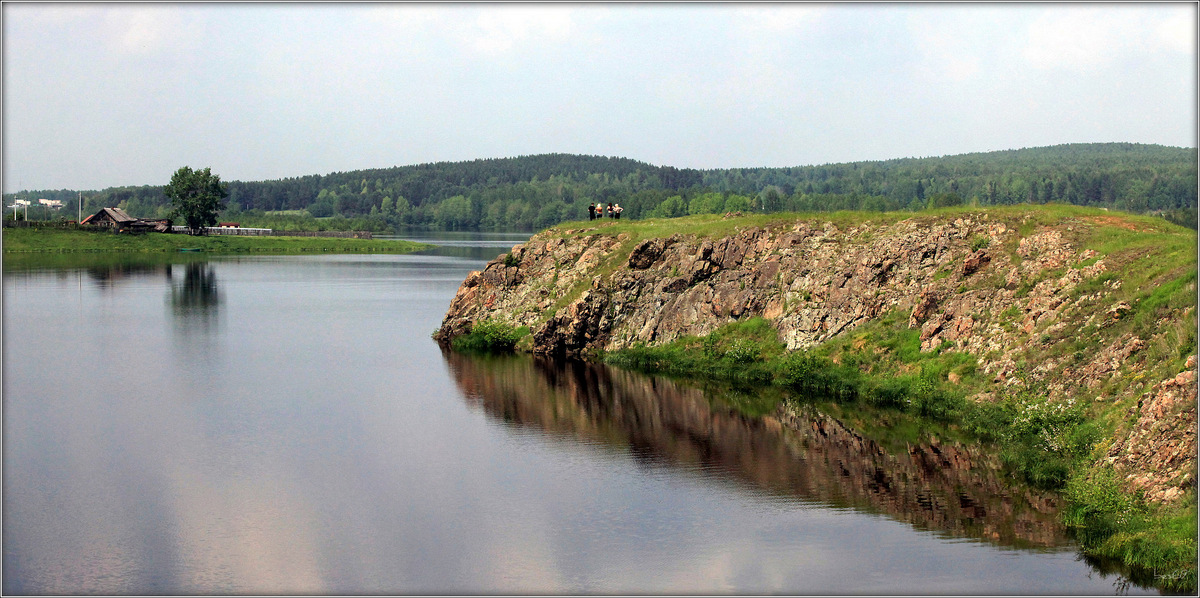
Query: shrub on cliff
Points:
[489, 336]
[1159, 541]
[814, 374]
[1042, 439]
[917, 394]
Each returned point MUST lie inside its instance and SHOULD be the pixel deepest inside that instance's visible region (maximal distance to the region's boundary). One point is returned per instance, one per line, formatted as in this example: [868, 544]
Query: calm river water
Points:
[285, 425]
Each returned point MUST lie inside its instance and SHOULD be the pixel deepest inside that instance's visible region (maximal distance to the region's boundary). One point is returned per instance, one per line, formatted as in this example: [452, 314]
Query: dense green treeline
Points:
[534, 192]
[1131, 177]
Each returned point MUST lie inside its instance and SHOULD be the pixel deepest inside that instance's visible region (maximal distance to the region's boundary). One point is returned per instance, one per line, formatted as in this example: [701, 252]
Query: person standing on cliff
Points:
[592, 211]
[609, 211]
[617, 211]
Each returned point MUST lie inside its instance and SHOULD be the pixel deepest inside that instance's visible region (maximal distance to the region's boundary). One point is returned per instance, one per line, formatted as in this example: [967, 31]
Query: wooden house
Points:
[118, 220]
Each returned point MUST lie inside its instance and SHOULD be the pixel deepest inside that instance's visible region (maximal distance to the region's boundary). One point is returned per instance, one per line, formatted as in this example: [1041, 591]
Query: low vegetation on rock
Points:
[489, 336]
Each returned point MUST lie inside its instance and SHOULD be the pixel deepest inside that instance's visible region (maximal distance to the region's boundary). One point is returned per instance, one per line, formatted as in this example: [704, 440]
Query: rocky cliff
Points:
[1084, 302]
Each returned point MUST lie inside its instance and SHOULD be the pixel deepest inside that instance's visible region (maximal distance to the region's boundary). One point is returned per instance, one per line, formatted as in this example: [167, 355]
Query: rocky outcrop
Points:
[812, 280]
[1004, 289]
[1158, 457]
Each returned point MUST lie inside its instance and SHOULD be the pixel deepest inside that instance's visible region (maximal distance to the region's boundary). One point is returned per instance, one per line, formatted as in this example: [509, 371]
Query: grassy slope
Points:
[32, 240]
[1050, 445]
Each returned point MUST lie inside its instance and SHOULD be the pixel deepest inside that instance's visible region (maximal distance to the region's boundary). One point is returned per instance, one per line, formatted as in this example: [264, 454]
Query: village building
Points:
[118, 220]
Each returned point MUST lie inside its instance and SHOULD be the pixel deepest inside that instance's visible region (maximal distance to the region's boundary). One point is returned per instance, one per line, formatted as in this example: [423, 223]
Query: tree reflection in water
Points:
[798, 452]
[196, 299]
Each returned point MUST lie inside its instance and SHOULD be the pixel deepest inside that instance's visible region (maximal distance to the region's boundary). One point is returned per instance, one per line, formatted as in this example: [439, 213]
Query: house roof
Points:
[118, 215]
[115, 214]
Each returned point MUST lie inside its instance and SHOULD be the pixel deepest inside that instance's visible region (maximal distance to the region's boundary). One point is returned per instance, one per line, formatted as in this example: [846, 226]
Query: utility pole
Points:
[80, 217]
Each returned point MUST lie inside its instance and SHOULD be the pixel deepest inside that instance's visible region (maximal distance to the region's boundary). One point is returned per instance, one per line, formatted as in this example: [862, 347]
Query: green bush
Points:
[1042, 440]
[813, 374]
[929, 400]
[489, 336]
[1108, 521]
[742, 351]
[915, 394]
[1098, 503]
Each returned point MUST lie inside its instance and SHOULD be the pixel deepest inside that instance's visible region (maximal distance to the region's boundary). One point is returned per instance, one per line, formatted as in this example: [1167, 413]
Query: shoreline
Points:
[33, 241]
[1064, 333]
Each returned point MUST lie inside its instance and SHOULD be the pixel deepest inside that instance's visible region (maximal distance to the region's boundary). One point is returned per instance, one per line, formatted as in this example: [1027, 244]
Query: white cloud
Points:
[945, 57]
[493, 31]
[1088, 37]
[499, 30]
[683, 84]
[150, 30]
[778, 19]
[1177, 32]
[949, 45]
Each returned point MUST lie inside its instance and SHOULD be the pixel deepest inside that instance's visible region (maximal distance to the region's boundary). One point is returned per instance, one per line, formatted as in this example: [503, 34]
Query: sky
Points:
[103, 95]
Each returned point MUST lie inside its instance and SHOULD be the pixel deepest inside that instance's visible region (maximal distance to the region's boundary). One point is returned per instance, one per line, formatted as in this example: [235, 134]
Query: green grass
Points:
[490, 336]
[1157, 542]
[750, 353]
[33, 240]
[742, 353]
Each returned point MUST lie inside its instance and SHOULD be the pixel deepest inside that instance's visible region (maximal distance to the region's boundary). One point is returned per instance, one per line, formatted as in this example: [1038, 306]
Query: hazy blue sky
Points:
[99, 95]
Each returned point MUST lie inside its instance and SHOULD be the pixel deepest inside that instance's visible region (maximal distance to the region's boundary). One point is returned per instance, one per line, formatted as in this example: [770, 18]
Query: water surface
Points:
[285, 425]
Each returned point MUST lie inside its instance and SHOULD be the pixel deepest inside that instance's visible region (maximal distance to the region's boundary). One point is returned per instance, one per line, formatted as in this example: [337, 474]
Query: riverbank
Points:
[47, 241]
[1064, 335]
[1050, 444]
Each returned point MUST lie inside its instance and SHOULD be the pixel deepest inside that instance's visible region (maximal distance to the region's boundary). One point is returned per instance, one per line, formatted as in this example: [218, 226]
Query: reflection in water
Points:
[105, 276]
[196, 299]
[105, 270]
[799, 452]
[240, 462]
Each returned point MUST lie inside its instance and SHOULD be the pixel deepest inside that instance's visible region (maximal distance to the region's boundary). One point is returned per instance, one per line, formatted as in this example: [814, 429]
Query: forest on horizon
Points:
[534, 192]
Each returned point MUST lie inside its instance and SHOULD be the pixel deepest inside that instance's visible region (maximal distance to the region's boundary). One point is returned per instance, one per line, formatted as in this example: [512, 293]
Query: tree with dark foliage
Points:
[196, 197]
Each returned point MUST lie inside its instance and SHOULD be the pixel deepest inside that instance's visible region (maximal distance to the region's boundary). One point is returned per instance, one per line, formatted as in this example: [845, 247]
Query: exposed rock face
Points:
[1159, 455]
[814, 282]
[971, 284]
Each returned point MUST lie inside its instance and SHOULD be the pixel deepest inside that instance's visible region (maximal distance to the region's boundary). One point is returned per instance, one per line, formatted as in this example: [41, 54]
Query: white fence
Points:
[266, 232]
[225, 230]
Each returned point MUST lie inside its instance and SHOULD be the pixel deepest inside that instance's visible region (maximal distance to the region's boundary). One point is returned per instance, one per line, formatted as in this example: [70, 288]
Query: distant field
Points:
[32, 240]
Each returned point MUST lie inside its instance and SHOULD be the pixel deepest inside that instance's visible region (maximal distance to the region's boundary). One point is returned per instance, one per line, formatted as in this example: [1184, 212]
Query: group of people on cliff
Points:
[600, 211]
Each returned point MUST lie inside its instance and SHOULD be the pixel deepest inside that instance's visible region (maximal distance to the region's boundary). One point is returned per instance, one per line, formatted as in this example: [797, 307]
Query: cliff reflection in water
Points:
[797, 452]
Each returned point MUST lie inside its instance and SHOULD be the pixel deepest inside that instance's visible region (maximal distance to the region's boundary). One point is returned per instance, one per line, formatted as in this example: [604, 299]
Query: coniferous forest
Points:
[533, 192]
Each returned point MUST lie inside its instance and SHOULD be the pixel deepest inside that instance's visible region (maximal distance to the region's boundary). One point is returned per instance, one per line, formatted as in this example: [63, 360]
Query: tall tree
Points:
[196, 197]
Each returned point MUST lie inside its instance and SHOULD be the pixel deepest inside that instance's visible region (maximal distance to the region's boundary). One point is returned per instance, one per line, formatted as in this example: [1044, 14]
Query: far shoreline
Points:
[26, 241]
